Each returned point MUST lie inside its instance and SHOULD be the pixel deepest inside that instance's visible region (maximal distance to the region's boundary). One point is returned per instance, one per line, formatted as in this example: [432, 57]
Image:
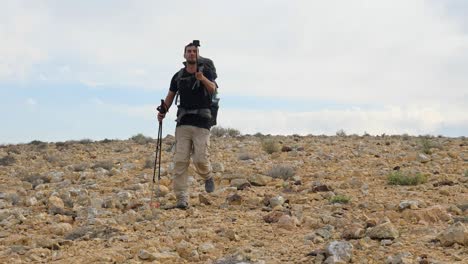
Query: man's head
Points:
[191, 53]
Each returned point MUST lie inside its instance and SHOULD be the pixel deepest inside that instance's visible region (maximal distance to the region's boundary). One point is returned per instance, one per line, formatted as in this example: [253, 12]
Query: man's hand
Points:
[162, 110]
[161, 116]
[199, 76]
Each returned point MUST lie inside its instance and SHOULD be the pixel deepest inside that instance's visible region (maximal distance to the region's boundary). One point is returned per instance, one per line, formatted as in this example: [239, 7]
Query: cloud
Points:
[415, 120]
[408, 59]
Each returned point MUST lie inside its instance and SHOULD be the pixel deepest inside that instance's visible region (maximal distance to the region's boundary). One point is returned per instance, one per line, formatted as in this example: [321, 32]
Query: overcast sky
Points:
[97, 69]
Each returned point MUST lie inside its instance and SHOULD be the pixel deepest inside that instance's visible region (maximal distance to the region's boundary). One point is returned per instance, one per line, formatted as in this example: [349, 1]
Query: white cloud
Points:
[415, 120]
[409, 57]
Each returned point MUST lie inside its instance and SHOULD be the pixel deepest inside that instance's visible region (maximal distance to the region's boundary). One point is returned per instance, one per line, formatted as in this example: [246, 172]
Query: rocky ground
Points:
[318, 199]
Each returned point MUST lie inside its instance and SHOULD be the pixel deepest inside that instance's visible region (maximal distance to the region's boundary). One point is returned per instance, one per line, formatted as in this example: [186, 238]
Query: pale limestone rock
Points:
[456, 233]
[259, 180]
[383, 231]
[339, 252]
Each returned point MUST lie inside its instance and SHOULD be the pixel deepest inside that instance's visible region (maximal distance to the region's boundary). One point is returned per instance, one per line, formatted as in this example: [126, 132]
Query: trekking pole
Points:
[196, 43]
[161, 109]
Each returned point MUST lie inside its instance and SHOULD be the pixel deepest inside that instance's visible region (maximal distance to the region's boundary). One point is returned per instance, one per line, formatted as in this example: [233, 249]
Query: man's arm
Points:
[210, 86]
[169, 99]
[167, 103]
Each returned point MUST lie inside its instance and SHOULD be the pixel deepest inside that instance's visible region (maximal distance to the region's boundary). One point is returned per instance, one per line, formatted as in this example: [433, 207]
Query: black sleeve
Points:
[173, 87]
[208, 73]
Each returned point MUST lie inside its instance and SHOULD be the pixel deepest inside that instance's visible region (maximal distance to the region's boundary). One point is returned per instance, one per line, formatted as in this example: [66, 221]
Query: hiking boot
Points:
[209, 185]
[183, 205]
[182, 202]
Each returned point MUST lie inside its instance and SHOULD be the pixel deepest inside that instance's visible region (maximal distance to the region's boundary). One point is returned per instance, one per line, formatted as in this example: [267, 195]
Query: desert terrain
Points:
[278, 199]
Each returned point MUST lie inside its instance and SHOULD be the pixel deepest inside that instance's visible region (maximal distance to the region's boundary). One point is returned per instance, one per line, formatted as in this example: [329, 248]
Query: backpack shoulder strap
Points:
[177, 79]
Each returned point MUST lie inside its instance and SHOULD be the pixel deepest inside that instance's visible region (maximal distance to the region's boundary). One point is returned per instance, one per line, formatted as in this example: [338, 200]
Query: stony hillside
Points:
[295, 199]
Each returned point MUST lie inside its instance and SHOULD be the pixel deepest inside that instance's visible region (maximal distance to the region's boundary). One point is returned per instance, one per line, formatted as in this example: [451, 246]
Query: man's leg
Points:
[181, 163]
[201, 157]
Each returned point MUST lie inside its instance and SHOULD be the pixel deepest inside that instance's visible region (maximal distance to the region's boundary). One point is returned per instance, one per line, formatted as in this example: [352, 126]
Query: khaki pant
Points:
[190, 138]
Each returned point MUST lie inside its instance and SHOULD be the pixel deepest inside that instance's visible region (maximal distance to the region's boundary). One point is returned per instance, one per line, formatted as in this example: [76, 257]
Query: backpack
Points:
[214, 106]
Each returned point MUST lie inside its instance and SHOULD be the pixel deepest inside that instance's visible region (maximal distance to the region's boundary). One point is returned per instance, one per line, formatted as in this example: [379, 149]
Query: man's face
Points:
[191, 54]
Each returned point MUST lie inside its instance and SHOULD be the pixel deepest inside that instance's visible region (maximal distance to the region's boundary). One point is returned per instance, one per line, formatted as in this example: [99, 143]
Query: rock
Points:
[55, 205]
[60, 229]
[383, 231]
[353, 232]
[287, 222]
[319, 187]
[408, 204]
[203, 199]
[206, 248]
[187, 251]
[228, 233]
[401, 258]
[432, 214]
[277, 201]
[238, 183]
[326, 232]
[217, 167]
[259, 180]
[423, 158]
[286, 149]
[236, 258]
[386, 242]
[273, 217]
[234, 199]
[456, 233]
[145, 255]
[163, 191]
[339, 252]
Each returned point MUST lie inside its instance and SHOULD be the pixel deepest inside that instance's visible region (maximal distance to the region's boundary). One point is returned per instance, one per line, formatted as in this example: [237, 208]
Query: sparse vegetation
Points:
[7, 161]
[341, 133]
[34, 179]
[141, 139]
[281, 171]
[80, 167]
[232, 132]
[340, 199]
[218, 131]
[466, 173]
[51, 158]
[105, 164]
[399, 178]
[37, 142]
[85, 141]
[427, 143]
[270, 146]
[259, 135]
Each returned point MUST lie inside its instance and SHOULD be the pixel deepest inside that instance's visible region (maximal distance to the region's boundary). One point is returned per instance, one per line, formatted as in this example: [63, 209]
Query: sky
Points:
[72, 70]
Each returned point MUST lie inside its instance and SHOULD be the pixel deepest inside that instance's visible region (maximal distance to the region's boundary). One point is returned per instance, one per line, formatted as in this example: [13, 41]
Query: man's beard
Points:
[191, 62]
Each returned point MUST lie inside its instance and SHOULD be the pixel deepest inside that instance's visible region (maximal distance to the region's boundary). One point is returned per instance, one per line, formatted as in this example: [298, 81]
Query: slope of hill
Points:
[314, 199]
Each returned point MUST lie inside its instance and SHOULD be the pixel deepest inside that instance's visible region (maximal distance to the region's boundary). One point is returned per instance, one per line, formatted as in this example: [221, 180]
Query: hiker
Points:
[193, 122]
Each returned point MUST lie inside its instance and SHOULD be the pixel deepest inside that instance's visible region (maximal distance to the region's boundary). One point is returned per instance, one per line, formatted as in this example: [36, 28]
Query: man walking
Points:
[194, 84]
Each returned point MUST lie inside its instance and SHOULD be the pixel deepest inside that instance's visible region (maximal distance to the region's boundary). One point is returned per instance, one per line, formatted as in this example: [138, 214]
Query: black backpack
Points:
[214, 107]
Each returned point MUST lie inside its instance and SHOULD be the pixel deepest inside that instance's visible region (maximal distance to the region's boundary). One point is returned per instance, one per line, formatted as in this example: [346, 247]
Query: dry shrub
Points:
[281, 171]
[105, 164]
[7, 161]
[399, 178]
[270, 146]
[141, 139]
